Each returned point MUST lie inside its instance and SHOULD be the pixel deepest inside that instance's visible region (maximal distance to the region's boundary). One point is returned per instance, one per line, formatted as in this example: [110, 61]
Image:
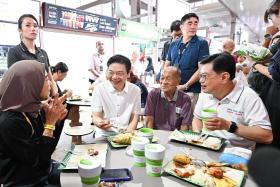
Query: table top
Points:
[83, 102]
[117, 158]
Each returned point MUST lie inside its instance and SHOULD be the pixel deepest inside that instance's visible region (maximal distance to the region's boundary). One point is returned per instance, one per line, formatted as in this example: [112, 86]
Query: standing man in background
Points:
[96, 66]
[185, 53]
[176, 32]
[228, 46]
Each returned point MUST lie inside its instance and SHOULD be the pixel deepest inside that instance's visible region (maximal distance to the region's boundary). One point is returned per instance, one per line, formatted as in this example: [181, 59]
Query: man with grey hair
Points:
[167, 107]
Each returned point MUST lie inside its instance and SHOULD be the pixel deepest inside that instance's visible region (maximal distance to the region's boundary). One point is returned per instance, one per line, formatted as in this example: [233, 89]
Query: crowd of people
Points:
[33, 108]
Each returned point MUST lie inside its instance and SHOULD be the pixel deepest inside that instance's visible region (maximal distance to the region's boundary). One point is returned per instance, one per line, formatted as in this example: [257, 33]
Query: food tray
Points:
[183, 136]
[119, 146]
[201, 179]
[76, 152]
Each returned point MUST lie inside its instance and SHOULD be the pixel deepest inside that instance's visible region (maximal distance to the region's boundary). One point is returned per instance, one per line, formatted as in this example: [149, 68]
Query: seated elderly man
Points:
[116, 102]
[242, 116]
[168, 108]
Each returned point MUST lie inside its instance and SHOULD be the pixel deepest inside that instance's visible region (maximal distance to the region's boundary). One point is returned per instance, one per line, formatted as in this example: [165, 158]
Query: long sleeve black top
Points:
[25, 157]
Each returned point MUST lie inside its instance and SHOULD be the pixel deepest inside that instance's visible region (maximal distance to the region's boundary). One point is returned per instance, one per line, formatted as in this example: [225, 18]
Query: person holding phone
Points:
[28, 28]
[29, 131]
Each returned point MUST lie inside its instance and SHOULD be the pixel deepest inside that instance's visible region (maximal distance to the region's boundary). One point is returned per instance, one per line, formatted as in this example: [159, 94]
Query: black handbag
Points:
[258, 81]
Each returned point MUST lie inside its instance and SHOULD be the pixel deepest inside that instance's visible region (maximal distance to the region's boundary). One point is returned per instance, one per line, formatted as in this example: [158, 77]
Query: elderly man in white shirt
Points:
[116, 102]
[241, 115]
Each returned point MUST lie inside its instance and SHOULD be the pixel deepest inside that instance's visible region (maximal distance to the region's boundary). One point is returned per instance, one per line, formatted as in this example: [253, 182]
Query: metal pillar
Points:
[136, 9]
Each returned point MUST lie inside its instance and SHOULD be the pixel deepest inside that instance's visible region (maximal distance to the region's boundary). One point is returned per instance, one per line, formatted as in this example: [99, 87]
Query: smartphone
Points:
[110, 175]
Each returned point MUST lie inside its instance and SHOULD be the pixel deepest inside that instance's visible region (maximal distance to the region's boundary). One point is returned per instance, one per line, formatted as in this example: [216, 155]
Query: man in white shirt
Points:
[115, 101]
[242, 117]
[96, 66]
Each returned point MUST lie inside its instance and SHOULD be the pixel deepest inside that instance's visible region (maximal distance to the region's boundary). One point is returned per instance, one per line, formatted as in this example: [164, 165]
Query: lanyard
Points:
[29, 122]
[181, 50]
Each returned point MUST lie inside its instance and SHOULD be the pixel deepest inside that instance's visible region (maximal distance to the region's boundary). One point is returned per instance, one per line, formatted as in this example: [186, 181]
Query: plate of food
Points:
[203, 173]
[197, 139]
[75, 98]
[124, 139]
[76, 152]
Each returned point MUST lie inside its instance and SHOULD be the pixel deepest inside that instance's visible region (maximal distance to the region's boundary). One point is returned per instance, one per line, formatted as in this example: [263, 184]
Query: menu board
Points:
[72, 19]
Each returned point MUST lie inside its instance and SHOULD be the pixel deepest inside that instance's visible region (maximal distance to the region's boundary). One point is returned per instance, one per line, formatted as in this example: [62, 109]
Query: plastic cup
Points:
[154, 154]
[147, 133]
[138, 147]
[89, 170]
[206, 114]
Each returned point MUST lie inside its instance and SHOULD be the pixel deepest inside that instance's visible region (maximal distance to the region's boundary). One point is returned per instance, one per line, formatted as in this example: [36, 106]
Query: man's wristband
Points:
[49, 126]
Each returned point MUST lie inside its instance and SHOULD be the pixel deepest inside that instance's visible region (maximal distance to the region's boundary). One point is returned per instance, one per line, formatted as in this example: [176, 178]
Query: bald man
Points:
[168, 108]
[96, 62]
[228, 45]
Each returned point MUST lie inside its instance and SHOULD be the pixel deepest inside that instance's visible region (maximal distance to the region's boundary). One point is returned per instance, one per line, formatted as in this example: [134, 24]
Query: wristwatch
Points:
[233, 127]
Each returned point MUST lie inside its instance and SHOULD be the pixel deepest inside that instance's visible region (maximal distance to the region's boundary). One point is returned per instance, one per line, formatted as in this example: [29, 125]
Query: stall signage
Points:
[138, 30]
[72, 19]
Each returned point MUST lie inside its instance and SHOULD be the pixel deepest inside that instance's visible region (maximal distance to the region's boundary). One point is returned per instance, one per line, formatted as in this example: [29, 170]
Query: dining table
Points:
[118, 158]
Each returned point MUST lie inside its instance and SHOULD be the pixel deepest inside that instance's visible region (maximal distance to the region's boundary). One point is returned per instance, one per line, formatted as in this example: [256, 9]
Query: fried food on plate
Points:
[216, 172]
[123, 139]
[92, 152]
[182, 159]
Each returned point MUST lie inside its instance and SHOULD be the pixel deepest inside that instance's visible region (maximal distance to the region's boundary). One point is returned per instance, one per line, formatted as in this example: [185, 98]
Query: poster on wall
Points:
[59, 17]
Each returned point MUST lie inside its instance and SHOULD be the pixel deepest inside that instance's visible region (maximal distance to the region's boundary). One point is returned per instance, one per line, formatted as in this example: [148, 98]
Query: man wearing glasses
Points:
[241, 115]
[116, 103]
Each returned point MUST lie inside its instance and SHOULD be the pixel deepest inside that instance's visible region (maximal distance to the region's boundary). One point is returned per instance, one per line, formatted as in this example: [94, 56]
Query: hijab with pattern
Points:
[21, 86]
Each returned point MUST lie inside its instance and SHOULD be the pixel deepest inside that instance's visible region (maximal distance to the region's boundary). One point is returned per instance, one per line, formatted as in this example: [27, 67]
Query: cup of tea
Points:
[147, 133]
[154, 154]
[207, 113]
[89, 170]
[138, 147]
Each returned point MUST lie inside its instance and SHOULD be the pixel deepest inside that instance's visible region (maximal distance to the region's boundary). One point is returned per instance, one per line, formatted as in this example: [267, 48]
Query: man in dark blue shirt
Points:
[186, 53]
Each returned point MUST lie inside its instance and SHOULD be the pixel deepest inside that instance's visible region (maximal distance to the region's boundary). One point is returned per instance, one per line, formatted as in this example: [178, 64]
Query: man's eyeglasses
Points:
[118, 73]
[205, 77]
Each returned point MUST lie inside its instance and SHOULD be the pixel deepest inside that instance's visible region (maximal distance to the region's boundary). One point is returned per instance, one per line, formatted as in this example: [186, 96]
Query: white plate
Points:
[78, 131]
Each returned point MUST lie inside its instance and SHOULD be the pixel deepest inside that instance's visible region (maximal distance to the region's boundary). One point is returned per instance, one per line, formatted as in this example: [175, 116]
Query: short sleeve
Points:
[150, 103]
[96, 104]
[203, 50]
[187, 111]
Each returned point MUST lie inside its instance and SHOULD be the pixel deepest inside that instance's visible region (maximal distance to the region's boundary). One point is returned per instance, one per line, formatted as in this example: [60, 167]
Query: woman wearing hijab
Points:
[28, 135]
[28, 28]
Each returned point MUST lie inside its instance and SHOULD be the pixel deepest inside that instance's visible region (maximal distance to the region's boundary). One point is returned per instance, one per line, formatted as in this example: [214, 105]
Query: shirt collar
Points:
[193, 39]
[112, 89]
[174, 96]
[234, 95]
[24, 48]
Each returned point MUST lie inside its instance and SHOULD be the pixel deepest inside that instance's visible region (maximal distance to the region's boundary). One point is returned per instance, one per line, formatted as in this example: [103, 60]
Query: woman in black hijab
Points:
[27, 137]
